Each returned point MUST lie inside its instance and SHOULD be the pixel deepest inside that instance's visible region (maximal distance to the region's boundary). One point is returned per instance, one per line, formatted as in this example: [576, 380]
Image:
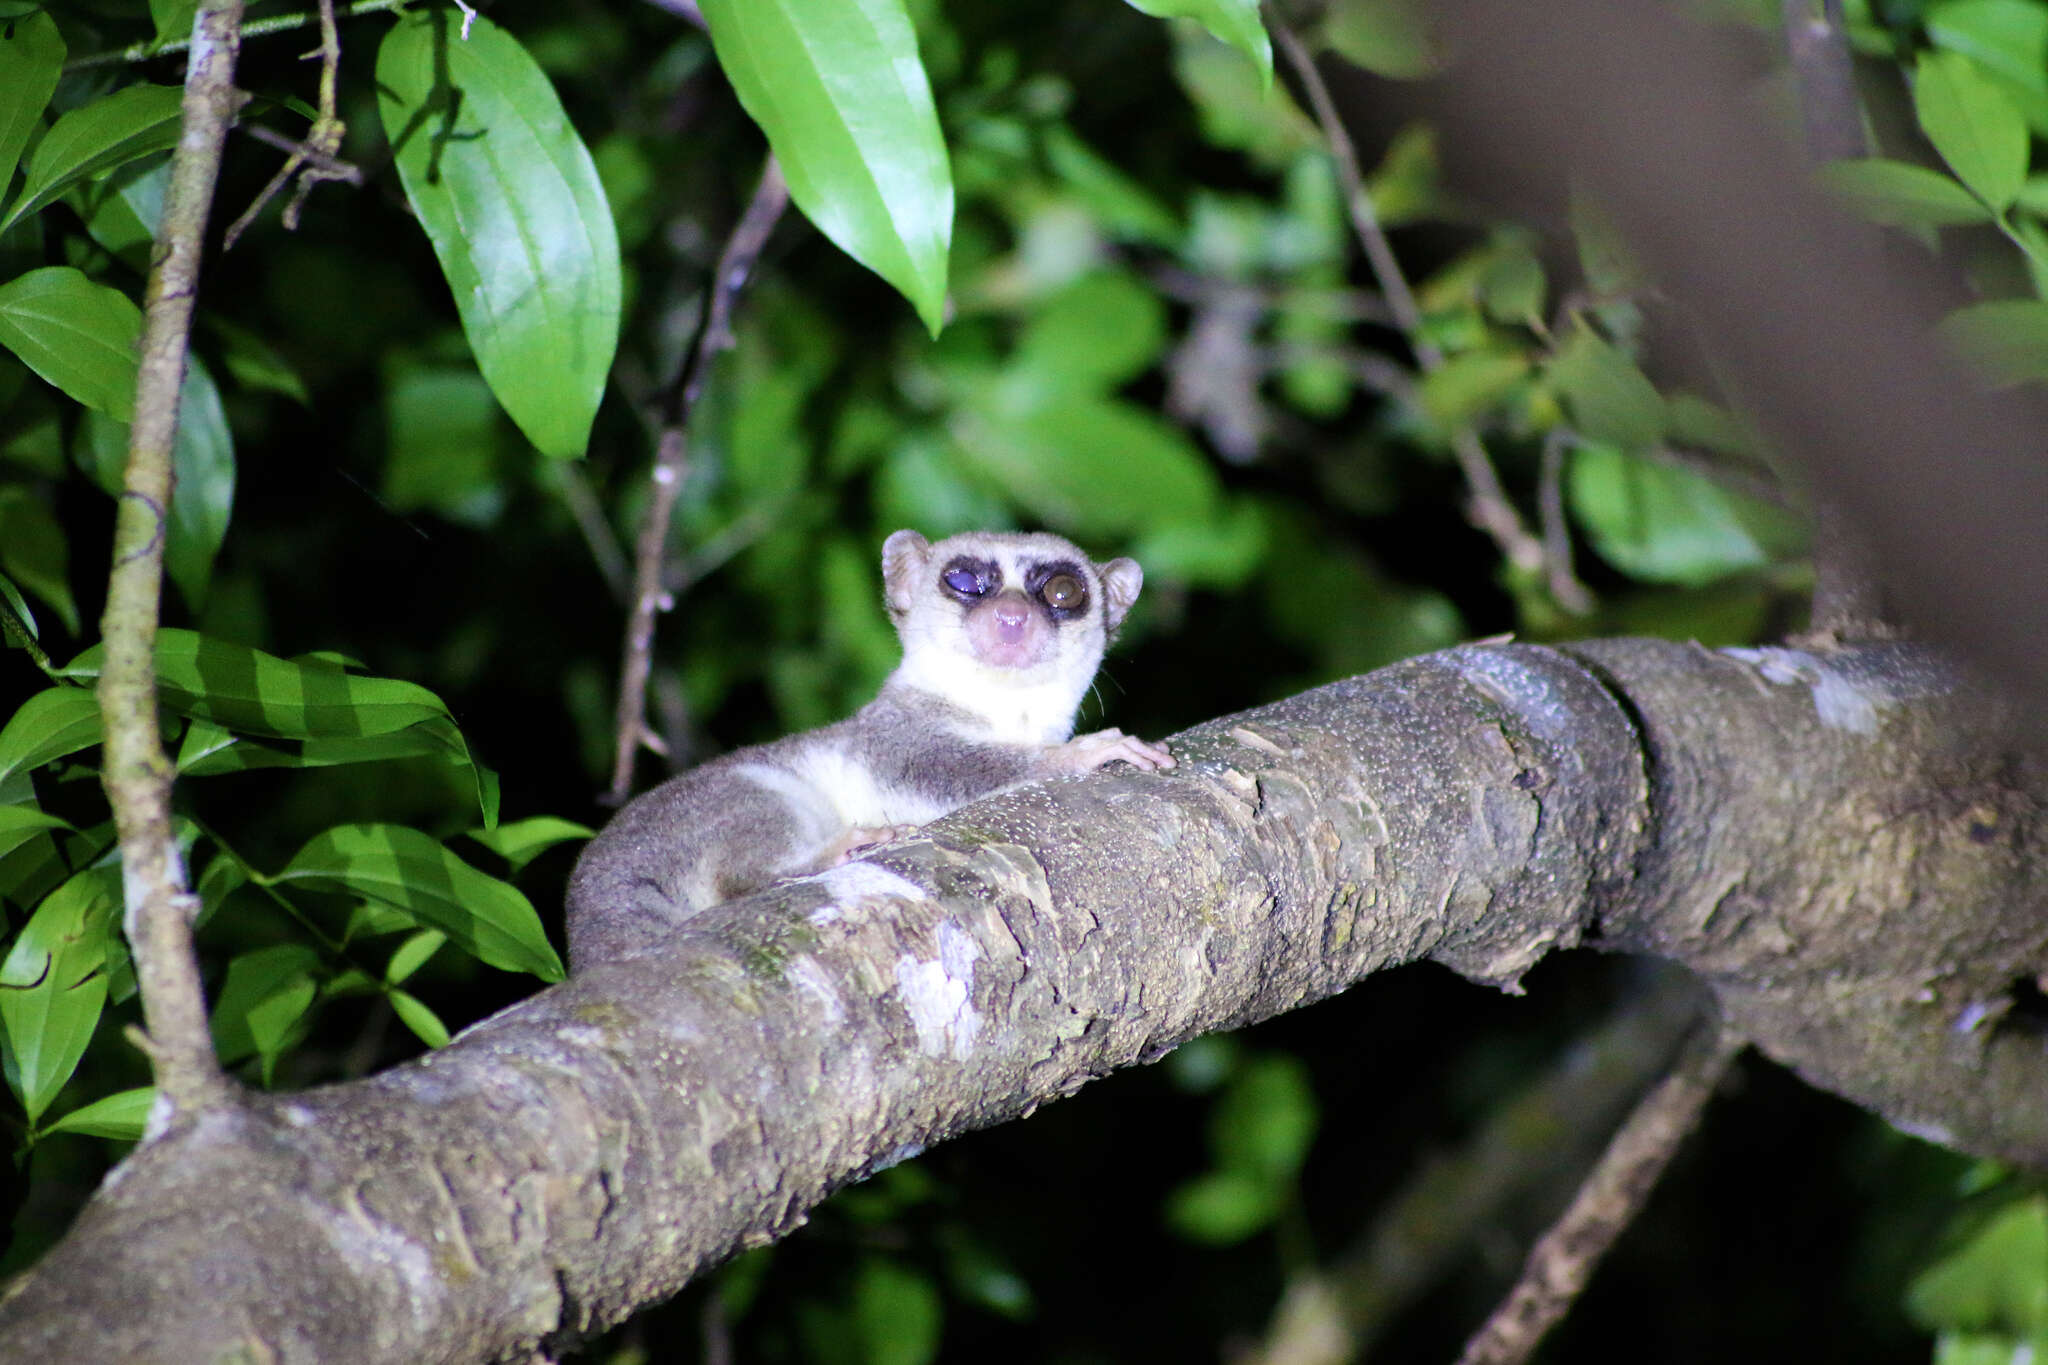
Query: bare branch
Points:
[671, 464]
[1563, 1259]
[257, 28]
[317, 158]
[136, 773]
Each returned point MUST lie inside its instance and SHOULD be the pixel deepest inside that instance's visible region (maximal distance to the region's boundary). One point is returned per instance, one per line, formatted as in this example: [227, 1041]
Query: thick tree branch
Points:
[1846, 848]
[137, 775]
[651, 595]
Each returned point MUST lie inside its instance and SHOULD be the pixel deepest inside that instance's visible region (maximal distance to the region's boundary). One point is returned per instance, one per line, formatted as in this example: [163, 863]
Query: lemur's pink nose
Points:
[1012, 617]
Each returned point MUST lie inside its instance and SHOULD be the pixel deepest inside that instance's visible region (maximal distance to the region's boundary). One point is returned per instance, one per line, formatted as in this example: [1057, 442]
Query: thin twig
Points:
[316, 159]
[160, 905]
[1563, 1259]
[256, 28]
[1848, 601]
[1557, 536]
[1489, 509]
[597, 534]
[650, 596]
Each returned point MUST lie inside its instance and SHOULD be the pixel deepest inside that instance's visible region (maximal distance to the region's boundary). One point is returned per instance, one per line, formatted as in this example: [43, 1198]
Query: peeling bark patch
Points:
[935, 996]
[1849, 693]
[809, 977]
[854, 882]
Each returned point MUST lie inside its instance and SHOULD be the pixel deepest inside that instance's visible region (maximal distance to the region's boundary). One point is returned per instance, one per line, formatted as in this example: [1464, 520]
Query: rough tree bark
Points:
[1847, 848]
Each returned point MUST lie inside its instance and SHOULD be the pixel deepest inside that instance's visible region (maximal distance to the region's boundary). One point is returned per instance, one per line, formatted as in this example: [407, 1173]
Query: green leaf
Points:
[410, 871]
[1900, 194]
[1266, 1118]
[1666, 525]
[34, 551]
[1973, 124]
[121, 1116]
[2007, 38]
[203, 465]
[1387, 37]
[1234, 21]
[1125, 208]
[412, 955]
[1209, 554]
[2006, 338]
[254, 364]
[1099, 332]
[17, 622]
[443, 445]
[77, 334]
[255, 693]
[95, 138]
[897, 1314]
[1997, 1280]
[1610, 399]
[54, 722]
[1461, 388]
[31, 59]
[19, 824]
[520, 842]
[1512, 286]
[122, 211]
[511, 201]
[173, 19]
[838, 88]
[262, 1004]
[1088, 465]
[424, 1023]
[1223, 1207]
[53, 985]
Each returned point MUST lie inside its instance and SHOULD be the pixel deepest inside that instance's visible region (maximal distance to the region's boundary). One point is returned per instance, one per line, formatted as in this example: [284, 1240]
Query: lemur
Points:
[1002, 634]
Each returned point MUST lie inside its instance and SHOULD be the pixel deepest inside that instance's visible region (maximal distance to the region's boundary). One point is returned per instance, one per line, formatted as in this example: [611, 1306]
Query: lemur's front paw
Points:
[1086, 753]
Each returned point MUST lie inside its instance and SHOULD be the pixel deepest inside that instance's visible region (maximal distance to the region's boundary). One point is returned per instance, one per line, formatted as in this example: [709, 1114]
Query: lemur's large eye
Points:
[965, 580]
[1064, 592]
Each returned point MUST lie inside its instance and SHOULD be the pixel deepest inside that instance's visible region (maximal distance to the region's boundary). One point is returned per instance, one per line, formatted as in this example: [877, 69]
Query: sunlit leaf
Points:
[121, 1116]
[2007, 38]
[511, 201]
[521, 841]
[1973, 124]
[31, 59]
[95, 138]
[411, 872]
[1997, 1280]
[78, 335]
[54, 722]
[838, 88]
[1669, 525]
[53, 984]
[19, 824]
[414, 1014]
[1236, 22]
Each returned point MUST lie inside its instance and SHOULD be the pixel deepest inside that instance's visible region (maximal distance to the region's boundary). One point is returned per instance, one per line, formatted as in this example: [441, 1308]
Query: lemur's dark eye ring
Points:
[1064, 592]
[964, 581]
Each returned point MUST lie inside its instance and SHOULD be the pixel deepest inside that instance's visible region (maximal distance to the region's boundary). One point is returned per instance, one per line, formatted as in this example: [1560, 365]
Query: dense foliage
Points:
[1065, 266]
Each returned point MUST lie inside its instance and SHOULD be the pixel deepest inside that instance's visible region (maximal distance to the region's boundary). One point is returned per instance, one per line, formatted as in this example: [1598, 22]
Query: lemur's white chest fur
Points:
[1002, 634]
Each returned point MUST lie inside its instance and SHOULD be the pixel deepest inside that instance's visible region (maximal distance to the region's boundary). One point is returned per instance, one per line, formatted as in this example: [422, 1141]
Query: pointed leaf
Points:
[511, 201]
[266, 993]
[19, 824]
[121, 1116]
[1610, 399]
[1234, 21]
[412, 872]
[414, 1014]
[1900, 194]
[53, 985]
[78, 335]
[31, 59]
[412, 955]
[838, 88]
[17, 622]
[54, 722]
[94, 138]
[1667, 525]
[520, 842]
[2006, 338]
[1973, 124]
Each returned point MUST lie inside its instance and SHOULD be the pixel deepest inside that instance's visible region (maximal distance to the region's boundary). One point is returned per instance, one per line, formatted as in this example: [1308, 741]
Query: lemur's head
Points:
[991, 608]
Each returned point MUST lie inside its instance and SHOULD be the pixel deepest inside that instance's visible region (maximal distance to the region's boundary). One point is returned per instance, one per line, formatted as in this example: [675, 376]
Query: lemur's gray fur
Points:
[1001, 634]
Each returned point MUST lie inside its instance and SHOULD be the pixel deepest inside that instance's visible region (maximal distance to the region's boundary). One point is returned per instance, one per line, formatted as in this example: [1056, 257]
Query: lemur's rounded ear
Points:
[903, 557]
[1121, 579]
